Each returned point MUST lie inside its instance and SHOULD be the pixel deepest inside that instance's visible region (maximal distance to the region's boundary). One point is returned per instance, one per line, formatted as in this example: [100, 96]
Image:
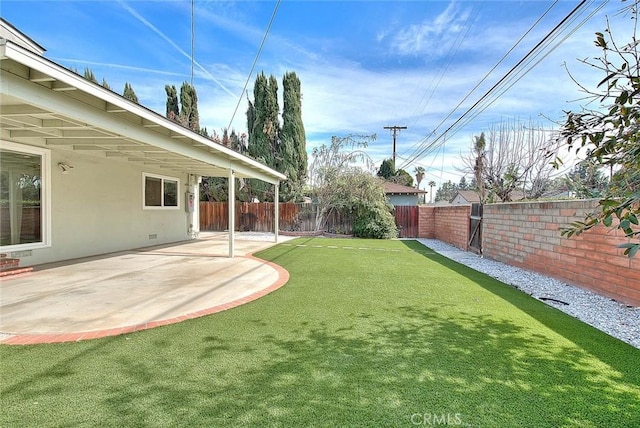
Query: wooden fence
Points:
[259, 217]
[407, 221]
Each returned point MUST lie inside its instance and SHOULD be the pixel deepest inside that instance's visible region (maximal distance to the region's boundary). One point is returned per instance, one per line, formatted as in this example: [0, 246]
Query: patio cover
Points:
[45, 104]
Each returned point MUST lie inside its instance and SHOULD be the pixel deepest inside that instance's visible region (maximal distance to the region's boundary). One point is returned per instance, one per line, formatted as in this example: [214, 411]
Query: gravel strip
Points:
[601, 312]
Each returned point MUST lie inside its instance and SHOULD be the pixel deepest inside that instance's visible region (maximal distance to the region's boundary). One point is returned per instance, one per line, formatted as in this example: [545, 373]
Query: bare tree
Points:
[512, 156]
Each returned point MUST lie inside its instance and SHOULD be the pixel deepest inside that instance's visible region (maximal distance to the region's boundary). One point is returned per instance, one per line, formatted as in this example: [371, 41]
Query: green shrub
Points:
[375, 222]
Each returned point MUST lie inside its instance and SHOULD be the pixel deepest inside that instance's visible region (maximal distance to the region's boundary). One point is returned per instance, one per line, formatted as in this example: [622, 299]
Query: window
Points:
[24, 197]
[160, 192]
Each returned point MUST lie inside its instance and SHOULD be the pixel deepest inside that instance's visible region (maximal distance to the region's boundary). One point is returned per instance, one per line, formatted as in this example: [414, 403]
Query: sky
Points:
[363, 65]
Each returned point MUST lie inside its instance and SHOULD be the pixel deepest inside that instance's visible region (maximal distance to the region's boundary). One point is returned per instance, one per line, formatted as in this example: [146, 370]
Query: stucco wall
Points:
[403, 200]
[528, 235]
[97, 208]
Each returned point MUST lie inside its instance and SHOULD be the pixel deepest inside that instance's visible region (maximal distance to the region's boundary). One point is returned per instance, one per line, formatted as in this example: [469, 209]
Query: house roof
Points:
[470, 196]
[9, 32]
[45, 104]
[398, 189]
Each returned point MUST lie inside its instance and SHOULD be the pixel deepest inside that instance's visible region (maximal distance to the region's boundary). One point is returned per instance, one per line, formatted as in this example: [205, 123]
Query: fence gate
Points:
[407, 221]
[475, 229]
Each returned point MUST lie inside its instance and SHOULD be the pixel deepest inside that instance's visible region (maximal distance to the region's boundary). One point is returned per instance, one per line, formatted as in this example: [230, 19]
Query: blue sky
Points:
[363, 65]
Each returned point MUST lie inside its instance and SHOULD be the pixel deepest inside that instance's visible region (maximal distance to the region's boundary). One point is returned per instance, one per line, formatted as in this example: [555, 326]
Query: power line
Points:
[515, 78]
[453, 49]
[553, 34]
[512, 78]
[255, 61]
[492, 69]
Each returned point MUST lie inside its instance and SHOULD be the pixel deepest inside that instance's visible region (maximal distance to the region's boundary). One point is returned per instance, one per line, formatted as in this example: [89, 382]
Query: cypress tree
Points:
[173, 111]
[272, 122]
[259, 147]
[189, 116]
[129, 93]
[88, 74]
[292, 150]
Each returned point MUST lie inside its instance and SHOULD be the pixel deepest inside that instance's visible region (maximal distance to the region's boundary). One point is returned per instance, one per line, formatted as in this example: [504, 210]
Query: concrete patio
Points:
[134, 290]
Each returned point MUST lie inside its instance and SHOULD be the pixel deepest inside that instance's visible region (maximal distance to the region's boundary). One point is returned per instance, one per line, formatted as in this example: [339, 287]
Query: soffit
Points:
[156, 141]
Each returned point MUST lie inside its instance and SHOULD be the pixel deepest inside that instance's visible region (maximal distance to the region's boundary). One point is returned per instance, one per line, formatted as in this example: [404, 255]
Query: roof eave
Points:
[10, 50]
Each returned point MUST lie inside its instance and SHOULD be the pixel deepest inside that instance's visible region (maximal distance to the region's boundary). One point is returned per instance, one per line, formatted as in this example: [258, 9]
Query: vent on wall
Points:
[19, 254]
[153, 236]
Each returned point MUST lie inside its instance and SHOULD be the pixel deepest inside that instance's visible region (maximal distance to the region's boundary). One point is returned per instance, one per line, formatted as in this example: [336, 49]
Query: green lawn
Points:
[366, 333]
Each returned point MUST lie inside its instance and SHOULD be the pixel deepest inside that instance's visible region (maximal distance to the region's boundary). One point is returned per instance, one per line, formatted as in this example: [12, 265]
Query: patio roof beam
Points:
[44, 99]
[24, 57]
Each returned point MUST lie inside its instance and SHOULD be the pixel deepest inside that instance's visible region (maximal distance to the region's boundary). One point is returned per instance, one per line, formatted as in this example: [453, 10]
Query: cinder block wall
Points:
[448, 224]
[426, 222]
[528, 235]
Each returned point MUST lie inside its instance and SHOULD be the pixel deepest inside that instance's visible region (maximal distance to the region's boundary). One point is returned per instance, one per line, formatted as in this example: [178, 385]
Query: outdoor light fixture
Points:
[65, 167]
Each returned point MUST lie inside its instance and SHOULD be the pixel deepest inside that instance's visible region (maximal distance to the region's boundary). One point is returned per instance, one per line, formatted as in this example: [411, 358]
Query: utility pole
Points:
[394, 129]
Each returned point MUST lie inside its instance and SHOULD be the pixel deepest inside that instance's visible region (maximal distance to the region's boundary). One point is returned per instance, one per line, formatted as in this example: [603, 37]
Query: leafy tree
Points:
[586, 180]
[389, 173]
[105, 84]
[292, 150]
[447, 191]
[369, 205]
[610, 135]
[340, 184]
[387, 169]
[403, 177]
[463, 185]
[129, 93]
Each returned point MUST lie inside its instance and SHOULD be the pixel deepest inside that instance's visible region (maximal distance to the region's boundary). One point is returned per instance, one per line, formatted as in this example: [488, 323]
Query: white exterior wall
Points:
[403, 200]
[460, 200]
[98, 208]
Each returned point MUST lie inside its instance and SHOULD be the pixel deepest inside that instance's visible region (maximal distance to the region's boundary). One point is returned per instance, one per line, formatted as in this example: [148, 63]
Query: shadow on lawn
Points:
[383, 372]
[396, 365]
[599, 344]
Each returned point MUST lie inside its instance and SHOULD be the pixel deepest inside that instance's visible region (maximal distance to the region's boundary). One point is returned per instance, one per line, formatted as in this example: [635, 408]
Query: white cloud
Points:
[432, 36]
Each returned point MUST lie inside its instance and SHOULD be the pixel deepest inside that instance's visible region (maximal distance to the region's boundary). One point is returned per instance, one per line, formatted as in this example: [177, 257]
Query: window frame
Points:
[45, 195]
[162, 179]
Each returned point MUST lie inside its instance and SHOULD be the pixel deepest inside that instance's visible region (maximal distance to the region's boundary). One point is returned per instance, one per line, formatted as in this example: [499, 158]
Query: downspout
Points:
[193, 206]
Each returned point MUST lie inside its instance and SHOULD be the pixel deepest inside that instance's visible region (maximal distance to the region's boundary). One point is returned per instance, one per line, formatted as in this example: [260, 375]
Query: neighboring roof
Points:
[44, 103]
[398, 189]
[470, 196]
[9, 32]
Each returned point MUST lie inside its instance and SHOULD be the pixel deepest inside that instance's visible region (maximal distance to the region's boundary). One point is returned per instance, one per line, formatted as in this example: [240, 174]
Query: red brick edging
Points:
[33, 339]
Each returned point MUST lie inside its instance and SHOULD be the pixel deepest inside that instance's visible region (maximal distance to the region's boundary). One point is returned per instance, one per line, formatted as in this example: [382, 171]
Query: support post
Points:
[276, 210]
[193, 216]
[232, 212]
